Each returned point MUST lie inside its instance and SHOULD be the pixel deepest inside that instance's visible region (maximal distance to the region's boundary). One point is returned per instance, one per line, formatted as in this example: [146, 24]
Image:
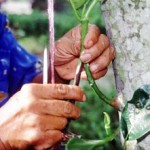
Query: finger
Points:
[54, 91]
[66, 50]
[90, 54]
[57, 108]
[112, 52]
[94, 75]
[65, 68]
[47, 122]
[90, 39]
[99, 74]
[101, 62]
[92, 36]
[74, 33]
[48, 139]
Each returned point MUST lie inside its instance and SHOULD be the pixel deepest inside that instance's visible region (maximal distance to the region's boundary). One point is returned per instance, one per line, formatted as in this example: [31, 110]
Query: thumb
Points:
[65, 50]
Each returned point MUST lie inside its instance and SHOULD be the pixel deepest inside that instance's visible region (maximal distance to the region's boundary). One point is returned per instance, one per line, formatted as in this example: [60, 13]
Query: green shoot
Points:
[77, 4]
[82, 10]
[107, 124]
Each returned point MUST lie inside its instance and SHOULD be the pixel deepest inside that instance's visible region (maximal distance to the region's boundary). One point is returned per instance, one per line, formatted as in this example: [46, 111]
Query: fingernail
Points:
[112, 52]
[84, 98]
[83, 75]
[104, 39]
[90, 43]
[85, 57]
[93, 68]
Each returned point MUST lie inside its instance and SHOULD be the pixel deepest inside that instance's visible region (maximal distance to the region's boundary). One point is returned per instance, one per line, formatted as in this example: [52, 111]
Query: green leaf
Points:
[136, 114]
[124, 122]
[81, 144]
[77, 3]
[107, 124]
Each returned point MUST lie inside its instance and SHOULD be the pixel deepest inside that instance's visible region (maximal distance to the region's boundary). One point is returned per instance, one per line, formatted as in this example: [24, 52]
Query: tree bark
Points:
[128, 26]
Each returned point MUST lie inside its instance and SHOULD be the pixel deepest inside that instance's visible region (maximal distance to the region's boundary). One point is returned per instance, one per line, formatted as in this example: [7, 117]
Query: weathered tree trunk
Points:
[128, 25]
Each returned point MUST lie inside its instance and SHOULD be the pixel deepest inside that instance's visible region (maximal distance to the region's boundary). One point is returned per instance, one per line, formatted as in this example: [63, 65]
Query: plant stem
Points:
[92, 5]
[78, 73]
[113, 103]
[94, 86]
[107, 124]
[84, 30]
[98, 143]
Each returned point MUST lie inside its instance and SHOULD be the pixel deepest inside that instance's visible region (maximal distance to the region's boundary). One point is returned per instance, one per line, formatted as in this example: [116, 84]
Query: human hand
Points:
[35, 116]
[98, 53]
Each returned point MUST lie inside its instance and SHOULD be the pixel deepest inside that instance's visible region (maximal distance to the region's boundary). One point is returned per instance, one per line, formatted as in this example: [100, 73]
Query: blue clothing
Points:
[17, 66]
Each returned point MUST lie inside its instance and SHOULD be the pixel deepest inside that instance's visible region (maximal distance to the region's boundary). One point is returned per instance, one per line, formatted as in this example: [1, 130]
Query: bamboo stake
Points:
[45, 66]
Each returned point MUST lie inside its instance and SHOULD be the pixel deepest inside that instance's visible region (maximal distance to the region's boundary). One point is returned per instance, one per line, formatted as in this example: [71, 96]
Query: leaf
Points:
[81, 144]
[78, 3]
[107, 124]
[124, 122]
[136, 114]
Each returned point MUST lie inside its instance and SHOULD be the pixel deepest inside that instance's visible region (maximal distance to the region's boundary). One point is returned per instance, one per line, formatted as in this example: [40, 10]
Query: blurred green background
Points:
[32, 32]
[34, 26]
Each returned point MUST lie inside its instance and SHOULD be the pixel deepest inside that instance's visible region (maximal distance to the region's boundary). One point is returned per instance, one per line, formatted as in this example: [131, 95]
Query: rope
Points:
[51, 37]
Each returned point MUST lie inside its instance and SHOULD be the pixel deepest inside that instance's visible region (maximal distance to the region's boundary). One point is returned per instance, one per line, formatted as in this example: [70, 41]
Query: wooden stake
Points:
[51, 37]
[45, 66]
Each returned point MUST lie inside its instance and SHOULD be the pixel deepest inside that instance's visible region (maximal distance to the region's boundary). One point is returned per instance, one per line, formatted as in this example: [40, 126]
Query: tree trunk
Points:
[128, 26]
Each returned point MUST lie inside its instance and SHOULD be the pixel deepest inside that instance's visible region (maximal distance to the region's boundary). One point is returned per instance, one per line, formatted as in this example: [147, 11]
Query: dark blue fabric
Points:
[3, 21]
[17, 66]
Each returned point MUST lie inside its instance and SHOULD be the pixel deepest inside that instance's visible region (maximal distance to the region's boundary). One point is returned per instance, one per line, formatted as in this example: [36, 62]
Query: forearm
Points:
[2, 132]
[2, 147]
[4, 119]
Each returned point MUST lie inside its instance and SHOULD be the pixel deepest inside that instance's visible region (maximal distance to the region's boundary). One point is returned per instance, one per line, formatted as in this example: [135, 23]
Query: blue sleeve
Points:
[17, 65]
[3, 21]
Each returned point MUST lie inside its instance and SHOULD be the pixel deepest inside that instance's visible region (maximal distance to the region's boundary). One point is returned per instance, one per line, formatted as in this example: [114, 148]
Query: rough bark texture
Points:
[128, 25]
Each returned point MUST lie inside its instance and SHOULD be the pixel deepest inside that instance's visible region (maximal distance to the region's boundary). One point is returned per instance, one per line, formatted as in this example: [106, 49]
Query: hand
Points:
[98, 53]
[35, 116]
